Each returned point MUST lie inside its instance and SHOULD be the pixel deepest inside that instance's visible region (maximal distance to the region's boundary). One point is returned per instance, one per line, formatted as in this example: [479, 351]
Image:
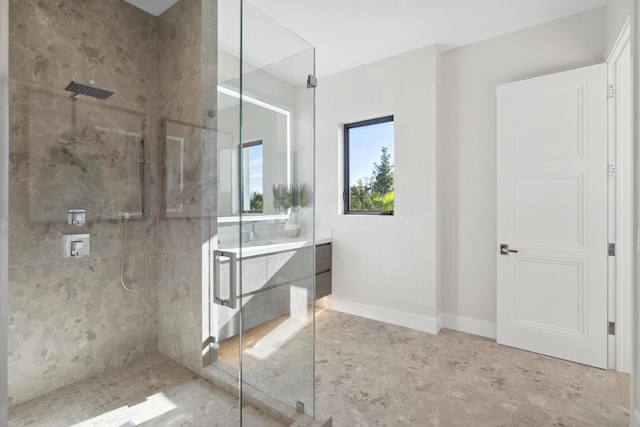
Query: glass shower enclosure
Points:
[262, 258]
[161, 222]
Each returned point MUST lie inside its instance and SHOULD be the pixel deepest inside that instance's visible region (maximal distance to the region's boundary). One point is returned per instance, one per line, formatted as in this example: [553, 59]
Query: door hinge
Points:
[612, 91]
[312, 81]
[612, 170]
[611, 250]
[612, 328]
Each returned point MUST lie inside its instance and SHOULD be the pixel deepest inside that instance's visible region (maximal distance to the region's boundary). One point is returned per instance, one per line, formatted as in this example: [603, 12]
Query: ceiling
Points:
[349, 33]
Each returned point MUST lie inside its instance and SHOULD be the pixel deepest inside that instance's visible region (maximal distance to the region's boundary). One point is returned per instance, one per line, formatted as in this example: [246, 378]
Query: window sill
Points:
[370, 213]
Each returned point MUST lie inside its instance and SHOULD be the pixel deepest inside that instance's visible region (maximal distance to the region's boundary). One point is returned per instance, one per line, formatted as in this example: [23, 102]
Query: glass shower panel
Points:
[277, 254]
[224, 311]
[262, 257]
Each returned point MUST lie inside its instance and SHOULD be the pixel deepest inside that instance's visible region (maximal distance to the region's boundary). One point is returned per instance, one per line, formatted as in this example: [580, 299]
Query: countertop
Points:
[258, 248]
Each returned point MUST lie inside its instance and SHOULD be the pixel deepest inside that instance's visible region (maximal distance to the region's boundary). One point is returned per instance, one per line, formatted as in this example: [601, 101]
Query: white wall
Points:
[384, 267]
[470, 75]
[434, 261]
[635, 371]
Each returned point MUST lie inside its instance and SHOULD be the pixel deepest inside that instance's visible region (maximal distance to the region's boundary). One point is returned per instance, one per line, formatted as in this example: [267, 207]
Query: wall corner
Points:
[4, 208]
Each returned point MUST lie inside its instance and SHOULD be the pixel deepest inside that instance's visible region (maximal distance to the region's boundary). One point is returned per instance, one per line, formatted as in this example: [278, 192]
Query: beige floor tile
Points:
[370, 373]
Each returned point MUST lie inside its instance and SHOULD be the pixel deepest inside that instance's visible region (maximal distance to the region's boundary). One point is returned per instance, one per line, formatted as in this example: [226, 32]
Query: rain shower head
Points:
[89, 89]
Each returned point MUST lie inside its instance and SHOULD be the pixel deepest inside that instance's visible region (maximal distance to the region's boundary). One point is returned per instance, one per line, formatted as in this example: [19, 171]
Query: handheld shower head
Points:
[89, 89]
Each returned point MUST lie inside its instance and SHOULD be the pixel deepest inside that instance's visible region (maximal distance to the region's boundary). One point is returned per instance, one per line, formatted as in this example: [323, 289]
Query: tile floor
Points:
[155, 391]
[368, 373]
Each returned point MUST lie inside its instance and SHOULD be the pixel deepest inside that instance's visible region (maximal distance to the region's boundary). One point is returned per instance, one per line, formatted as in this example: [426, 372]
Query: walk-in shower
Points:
[150, 179]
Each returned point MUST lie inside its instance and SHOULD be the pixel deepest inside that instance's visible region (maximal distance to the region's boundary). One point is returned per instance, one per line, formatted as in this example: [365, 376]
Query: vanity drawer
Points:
[323, 258]
[323, 284]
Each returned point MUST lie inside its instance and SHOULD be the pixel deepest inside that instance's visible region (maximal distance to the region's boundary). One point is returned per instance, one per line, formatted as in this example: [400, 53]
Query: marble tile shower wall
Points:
[70, 318]
[186, 228]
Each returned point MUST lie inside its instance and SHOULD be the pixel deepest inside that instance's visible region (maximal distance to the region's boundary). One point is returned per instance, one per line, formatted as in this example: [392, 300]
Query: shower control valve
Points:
[76, 217]
[76, 245]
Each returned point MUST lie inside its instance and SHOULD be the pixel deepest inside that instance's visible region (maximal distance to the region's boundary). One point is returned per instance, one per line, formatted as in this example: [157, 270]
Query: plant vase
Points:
[290, 198]
[292, 226]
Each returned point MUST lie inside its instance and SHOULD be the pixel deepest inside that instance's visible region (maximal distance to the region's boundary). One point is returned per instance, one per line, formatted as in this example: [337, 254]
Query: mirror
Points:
[265, 158]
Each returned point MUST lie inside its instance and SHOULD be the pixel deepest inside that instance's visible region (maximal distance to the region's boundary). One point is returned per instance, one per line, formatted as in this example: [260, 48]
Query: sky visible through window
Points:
[255, 169]
[365, 148]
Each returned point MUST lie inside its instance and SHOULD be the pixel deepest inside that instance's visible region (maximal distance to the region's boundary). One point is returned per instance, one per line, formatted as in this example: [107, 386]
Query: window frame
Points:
[346, 193]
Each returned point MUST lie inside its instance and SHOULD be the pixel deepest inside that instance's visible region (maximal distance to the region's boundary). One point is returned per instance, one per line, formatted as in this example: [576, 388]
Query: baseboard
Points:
[469, 325]
[439, 323]
[408, 320]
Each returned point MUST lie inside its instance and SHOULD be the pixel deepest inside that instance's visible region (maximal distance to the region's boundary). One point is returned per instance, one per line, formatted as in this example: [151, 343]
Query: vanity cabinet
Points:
[323, 269]
[275, 284]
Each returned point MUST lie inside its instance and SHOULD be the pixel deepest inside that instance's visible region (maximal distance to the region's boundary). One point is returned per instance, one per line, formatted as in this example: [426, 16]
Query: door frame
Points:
[4, 206]
[635, 66]
[620, 149]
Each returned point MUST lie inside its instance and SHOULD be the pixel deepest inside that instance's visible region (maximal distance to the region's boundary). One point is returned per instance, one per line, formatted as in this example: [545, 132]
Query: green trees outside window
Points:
[375, 193]
[369, 170]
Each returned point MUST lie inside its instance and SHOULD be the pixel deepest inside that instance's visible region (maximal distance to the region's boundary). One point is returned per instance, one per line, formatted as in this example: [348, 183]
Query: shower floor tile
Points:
[154, 391]
[277, 358]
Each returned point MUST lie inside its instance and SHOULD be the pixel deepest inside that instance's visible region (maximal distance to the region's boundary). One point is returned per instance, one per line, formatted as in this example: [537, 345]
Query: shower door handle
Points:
[231, 301]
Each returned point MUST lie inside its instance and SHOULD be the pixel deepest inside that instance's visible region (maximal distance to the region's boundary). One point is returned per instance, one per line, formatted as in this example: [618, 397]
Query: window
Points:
[252, 180]
[368, 167]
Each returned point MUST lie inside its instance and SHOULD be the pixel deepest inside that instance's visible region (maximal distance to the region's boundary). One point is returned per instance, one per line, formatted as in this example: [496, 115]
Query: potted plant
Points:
[291, 198]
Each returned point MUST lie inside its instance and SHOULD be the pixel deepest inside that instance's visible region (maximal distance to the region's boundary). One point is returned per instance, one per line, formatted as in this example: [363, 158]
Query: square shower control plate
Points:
[76, 245]
[76, 217]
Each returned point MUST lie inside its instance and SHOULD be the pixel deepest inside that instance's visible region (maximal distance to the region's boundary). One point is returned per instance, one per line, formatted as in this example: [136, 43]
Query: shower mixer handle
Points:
[76, 245]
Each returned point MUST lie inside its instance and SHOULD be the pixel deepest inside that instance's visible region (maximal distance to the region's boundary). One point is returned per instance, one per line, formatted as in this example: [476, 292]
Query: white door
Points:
[552, 210]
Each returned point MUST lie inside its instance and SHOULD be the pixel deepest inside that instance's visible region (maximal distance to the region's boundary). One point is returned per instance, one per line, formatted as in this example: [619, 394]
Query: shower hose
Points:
[125, 216]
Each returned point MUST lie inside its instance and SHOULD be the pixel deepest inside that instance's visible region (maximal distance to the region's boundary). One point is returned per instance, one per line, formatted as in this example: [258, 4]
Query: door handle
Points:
[504, 249]
[231, 301]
